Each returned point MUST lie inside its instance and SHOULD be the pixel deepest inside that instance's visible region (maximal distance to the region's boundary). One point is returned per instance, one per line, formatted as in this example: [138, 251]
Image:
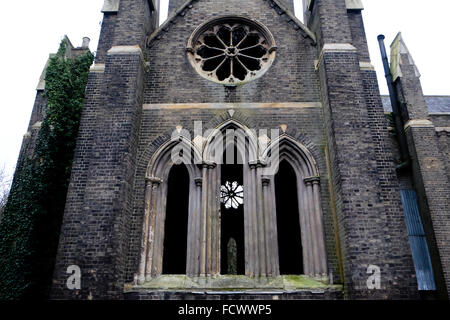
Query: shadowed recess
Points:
[175, 235]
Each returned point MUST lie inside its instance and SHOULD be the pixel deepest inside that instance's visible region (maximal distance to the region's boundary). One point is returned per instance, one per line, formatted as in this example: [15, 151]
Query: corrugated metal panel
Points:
[418, 242]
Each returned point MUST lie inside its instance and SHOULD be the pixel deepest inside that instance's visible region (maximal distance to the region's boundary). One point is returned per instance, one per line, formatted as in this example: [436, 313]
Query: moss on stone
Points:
[233, 283]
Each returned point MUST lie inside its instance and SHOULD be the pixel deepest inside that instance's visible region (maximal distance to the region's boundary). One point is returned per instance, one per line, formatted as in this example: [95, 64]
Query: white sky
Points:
[30, 30]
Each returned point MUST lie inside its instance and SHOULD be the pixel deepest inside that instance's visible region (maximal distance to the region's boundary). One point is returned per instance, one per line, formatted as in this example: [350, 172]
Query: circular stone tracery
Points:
[232, 195]
[231, 50]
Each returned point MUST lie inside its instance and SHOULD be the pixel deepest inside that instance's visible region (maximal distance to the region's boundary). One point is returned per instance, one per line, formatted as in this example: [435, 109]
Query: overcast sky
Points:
[30, 30]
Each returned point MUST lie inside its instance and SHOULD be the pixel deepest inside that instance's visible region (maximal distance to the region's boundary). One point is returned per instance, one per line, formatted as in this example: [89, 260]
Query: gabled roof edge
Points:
[292, 16]
[188, 5]
[169, 20]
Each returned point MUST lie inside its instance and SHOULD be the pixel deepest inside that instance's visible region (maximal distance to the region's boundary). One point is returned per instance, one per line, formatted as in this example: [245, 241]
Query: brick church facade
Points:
[322, 202]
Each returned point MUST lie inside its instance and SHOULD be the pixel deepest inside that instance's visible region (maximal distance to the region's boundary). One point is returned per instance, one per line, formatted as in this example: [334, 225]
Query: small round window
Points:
[231, 50]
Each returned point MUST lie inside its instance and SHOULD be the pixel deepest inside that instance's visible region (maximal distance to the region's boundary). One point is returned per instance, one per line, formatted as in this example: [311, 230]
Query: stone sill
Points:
[228, 284]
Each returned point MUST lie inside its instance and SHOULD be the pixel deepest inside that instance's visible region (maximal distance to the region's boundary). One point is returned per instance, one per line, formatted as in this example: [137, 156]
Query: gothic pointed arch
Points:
[177, 152]
[217, 139]
[287, 149]
[228, 136]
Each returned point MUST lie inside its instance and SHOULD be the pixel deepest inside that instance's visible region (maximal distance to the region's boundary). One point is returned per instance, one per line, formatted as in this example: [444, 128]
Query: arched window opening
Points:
[176, 223]
[232, 214]
[288, 221]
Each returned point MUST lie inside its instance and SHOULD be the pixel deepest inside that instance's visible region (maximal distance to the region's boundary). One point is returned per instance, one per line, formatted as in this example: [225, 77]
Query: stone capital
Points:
[154, 180]
[198, 182]
[312, 180]
[265, 181]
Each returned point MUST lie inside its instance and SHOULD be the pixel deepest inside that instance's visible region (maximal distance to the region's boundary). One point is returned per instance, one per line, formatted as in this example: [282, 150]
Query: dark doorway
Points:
[288, 221]
[176, 224]
[232, 216]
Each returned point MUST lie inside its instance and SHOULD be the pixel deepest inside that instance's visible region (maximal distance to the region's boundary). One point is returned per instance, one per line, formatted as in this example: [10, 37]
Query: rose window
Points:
[231, 50]
[232, 195]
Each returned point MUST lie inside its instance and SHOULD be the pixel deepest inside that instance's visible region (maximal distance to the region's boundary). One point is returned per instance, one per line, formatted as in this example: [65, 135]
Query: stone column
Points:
[312, 227]
[273, 227]
[151, 210]
[203, 220]
[261, 223]
[195, 234]
[147, 231]
[270, 239]
[316, 227]
[305, 226]
[253, 222]
[214, 211]
[320, 233]
[210, 250]
[249, 269]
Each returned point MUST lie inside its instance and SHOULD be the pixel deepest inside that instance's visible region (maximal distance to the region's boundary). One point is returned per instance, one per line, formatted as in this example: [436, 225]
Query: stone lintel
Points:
[37, 125]
[419, 123]
[111, 6]
[98, 68]
[354, 5]
[366, 66]
[136, 49]
[41, 85]
[338, 47]
[334, 47]
[176, 106]
[128, 50]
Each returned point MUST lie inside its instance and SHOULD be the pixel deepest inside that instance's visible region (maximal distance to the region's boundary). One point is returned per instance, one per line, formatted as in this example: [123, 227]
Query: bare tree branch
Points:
[4, 188]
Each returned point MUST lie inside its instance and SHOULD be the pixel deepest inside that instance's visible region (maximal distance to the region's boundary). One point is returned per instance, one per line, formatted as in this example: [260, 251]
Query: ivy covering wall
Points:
[29, 230]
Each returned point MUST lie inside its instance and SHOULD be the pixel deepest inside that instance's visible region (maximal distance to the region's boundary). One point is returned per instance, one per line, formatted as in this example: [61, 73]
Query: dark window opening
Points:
[176, 224]
[288, 221]
[232, 217]
[223, 71]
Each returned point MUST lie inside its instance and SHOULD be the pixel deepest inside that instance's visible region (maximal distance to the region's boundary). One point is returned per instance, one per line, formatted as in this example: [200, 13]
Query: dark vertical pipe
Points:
[404, 154]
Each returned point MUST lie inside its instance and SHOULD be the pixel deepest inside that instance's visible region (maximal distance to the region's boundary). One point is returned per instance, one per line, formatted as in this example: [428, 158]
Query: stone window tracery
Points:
[232, 195]
[231, 50]
[229, 233]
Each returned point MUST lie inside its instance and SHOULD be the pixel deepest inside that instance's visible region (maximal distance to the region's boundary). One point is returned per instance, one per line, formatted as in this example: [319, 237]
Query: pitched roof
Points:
[435, 104]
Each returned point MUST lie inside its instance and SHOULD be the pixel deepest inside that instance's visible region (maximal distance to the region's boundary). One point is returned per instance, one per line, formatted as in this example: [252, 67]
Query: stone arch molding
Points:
[309, 199]
[261, 160]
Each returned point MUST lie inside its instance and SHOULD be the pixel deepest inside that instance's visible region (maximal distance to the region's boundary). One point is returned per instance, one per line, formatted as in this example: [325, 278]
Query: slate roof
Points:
[436, 104]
